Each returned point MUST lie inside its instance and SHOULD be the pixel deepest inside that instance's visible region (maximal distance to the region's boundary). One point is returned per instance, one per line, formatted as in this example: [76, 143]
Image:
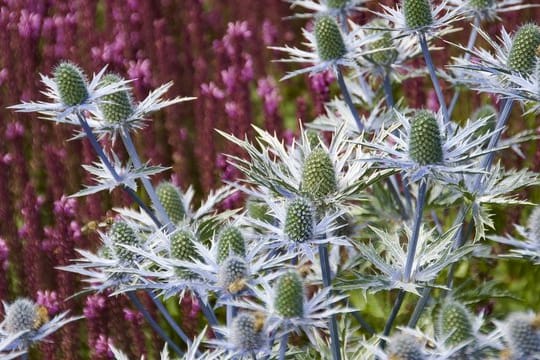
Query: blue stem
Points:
[135, 300]
[470, 44]
[283, 346]
[393, 315]
[433, 74]
[348, 99]
[130, 147]
[163, 310]
[230, 315]
[411, 249]
[207, 312]
[388, 90]
[101, 154]
[332, 322]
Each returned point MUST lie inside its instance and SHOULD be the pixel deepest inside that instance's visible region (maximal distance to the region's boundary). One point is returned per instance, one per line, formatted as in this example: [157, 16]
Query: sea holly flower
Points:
[170, 197]
[230, 242]
[514, 60]
[487, 10]
[388, 256]
[26, 323]
[333, 8]
[70, 94]
[328, 47]
[420, 16]
[287, 308]
[123, 176]
[422, 145]
[403, 346]
[521, 335]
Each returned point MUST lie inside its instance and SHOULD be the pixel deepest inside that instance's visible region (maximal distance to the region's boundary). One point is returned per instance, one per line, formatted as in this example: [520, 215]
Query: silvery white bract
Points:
[491, 10]
[326, 7]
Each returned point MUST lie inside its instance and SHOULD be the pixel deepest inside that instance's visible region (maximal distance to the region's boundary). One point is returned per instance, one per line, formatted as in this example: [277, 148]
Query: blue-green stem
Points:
[161, 308]
[470, 44]
[283, 346]
[411, 248]
[332, 322]
[393, 316]
[153, 323]
[433, 75]
[387, 84]
[101, 154]
[130, 147]
[348, 99]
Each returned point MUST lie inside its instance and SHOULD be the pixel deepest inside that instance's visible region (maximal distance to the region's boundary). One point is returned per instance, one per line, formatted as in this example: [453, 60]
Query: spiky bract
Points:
[425, 145]
[533, 225]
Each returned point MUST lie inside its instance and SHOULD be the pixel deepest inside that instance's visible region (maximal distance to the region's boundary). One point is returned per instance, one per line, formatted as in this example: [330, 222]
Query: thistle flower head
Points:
[417, 13]
[71, 83]
[246, 333]
[230, 242]
[21, 316]
[523, 54]
[330, 44]
[386, 53]
[299, 221]
[455, 323]
[258, 210]
[233, 272]
[289, 295]
[481, 4]
[403, 346]
[171, 199]
[533, 225]
[425, 139]
[121, 233]
[183, 245]
[318, 175]
[118, 106]
[521, 335]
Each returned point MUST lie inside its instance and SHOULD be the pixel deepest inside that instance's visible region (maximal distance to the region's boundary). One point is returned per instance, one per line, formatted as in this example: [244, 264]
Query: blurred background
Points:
[215, 50]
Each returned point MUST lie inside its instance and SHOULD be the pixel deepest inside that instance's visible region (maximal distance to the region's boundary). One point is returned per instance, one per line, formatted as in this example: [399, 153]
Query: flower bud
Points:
[232, 272]
[404, 346]
[522, 336]
[171, 199]
[522, 57]
[299, 220]
[118, 106]
[123, 234]
[289, 292]
[230, 242]
[21, 315]
[455, 323]
[330, 45]
[318, 175]
[183, 246]
[246, 334]
[417, 13]
[425, 139]
[71, 83]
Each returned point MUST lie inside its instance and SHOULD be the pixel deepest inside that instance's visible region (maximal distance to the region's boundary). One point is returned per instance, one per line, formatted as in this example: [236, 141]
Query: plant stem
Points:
[388, 90]
[411, 249]
[420, 306]
[393, 315]
[135, 300]
[332, 322]
[348, 99]
[283, 346]
[470, 44]
[101, 154]
[130, 147]
[433, 75]
[163, 310]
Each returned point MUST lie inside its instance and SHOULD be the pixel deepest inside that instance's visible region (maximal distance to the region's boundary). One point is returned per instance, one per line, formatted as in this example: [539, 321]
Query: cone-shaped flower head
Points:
[522, 336]
[387, 54]
[318, 175]
[21, 315]
[481, 4]
[289, 292]
[455, 323]
[246, 333]
[425, 146]
[258, 210]
[330, 44]
[404, 346]
[118, 106]
[71, 83]
[524, 51]
[336, 4]
[230, 242]
[232, 274]
[533, 225]
[123, 234]
[183, 245]
[417, 13]
[299, 220]
[171, 199]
